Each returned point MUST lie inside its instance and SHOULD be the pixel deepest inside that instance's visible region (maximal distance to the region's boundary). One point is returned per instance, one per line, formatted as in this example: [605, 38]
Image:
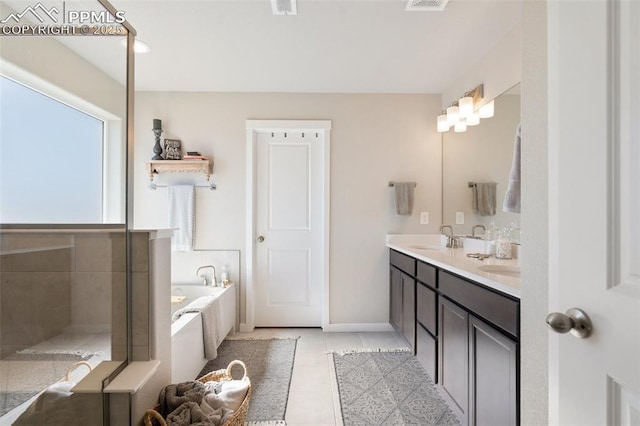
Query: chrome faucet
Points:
[452, 242]
[213, 275]
[473, 230]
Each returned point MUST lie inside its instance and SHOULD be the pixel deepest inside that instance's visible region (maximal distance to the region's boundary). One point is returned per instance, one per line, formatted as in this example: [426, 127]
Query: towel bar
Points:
[472, 184]
[212, 187]
[392, 184]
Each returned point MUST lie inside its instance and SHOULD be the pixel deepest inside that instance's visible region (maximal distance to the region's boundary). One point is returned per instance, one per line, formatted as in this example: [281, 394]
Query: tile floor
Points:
[313, 395]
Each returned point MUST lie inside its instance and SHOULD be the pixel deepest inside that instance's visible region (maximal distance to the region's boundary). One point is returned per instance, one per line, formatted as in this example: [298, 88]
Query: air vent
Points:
[427, 5]
[284, 7]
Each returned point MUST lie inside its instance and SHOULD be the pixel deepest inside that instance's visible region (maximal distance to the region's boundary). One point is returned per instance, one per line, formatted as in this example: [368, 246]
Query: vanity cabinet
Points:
[478, 352]
[465, 335]
[403, 296]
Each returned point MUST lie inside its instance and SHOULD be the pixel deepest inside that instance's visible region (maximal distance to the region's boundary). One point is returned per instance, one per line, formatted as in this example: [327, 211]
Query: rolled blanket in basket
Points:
[191, 413]
[173, 396]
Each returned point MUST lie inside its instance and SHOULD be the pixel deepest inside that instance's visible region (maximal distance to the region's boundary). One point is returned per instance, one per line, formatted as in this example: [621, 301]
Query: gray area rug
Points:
[27, 374]
[388, 388]
[269, 367]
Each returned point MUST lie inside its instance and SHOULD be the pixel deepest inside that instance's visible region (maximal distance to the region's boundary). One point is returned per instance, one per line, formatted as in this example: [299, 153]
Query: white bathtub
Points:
[187, 347]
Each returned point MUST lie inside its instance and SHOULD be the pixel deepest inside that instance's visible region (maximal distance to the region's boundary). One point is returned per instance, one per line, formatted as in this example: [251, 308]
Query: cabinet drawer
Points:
[426, 308]
[499, 310]
[426, 352]
[403, 262]
[427, 274]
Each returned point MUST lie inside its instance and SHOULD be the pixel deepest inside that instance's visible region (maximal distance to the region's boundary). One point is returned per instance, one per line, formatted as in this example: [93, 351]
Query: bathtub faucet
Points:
[213, 275]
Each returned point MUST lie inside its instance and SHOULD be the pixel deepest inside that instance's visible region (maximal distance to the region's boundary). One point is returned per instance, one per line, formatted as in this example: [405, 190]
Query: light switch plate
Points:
[424, 218]
[459, 218]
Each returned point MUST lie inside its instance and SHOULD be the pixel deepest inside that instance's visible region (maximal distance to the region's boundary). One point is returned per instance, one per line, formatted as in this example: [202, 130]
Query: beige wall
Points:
[374, 139]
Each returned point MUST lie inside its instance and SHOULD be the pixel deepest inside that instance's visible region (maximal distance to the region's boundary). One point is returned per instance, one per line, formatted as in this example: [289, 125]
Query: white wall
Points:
[499, 70]
[374, 139]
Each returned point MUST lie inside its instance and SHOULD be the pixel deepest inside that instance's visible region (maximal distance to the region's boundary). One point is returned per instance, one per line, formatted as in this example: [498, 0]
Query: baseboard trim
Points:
[357, 327]
[245, 328]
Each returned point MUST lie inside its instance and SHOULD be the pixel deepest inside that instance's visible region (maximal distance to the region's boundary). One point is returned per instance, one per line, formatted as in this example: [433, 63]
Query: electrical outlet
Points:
[424, 218]
[459, 218]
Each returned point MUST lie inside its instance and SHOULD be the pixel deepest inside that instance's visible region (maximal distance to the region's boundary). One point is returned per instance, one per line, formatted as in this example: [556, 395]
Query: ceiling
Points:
[330, 46]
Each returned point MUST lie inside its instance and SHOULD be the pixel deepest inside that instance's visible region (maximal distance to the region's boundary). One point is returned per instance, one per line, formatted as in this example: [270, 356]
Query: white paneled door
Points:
[289, 228]
[594, 165]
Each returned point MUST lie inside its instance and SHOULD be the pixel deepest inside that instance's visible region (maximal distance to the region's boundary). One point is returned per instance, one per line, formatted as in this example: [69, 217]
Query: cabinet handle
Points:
[575, 321]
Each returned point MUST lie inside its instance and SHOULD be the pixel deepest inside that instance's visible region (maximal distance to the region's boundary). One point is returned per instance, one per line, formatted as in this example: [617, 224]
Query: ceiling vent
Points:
[284, 7]
[426, 5]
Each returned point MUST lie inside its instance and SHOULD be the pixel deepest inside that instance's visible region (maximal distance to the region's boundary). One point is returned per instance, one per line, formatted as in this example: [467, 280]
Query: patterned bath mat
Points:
[388, 388]
[269, 366]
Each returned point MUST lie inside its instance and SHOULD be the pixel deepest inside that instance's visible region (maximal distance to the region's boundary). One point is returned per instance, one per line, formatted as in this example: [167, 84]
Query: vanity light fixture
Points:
[462, 112]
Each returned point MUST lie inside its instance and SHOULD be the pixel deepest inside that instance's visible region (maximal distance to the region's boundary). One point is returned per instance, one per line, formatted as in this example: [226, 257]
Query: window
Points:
[51, 159]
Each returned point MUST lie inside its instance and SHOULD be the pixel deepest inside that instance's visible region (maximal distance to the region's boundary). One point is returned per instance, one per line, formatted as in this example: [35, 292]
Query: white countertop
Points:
[456, 260]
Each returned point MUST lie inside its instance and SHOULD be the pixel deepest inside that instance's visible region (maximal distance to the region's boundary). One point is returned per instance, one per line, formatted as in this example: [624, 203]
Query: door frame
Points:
[253, 128]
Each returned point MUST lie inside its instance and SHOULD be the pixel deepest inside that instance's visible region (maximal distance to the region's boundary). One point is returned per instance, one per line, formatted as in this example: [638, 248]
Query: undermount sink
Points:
[424, 247]
[506, 270]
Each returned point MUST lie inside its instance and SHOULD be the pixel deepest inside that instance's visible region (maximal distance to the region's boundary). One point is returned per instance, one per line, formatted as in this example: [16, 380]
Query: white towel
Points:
[512, 197]
[182, 199]
[404, 197]
[209, 309]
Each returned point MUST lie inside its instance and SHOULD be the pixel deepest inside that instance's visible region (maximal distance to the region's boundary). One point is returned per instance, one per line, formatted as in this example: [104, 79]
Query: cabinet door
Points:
[426, 308]
[395, 299]
[426, 351]
[409, 310]
[493, 393]
[453, 356]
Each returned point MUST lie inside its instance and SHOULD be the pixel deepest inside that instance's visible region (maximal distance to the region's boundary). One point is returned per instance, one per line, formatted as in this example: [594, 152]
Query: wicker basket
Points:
[238, 418]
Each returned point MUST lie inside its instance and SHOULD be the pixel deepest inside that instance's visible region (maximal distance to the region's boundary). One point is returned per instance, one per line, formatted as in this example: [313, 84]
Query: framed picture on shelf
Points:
[172, 149]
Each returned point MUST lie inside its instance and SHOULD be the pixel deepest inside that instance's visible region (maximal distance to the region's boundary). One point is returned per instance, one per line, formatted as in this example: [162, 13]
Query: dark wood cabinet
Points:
[453, 368]
[492, 376]
[402, 296]
[409, 310]
[395, 299]
[464, 334]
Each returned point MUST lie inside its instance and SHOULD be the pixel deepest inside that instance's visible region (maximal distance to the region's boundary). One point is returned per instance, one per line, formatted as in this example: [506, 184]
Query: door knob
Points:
[260, 239]
[575, 320]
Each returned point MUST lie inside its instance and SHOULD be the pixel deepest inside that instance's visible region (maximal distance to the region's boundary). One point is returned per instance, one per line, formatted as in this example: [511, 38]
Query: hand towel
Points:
[209, 309]
[404, 197]
[512, 197]
[182, 200]
[484, 198]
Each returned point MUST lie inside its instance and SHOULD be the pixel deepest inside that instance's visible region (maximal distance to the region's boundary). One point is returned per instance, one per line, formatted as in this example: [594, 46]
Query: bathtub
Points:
[187, 347]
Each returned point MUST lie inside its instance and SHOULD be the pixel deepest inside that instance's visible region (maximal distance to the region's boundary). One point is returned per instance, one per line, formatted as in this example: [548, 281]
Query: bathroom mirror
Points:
[484, 153]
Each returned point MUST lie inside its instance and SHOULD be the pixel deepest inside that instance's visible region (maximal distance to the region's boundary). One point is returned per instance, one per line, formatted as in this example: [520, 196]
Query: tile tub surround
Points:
[456, 260]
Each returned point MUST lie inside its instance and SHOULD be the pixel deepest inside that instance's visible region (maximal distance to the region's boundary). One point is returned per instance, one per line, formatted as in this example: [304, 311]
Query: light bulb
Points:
[473, 119]
[443, 124]
[486, 110]
[466, 106]
[453, 115]
[460, 126]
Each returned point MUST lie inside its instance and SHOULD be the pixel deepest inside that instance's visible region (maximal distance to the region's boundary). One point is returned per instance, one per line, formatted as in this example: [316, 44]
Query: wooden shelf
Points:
[178, 166]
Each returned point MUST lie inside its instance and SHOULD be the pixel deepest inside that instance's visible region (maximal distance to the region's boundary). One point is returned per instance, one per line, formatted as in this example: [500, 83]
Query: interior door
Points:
[594, 163]
[289, 241]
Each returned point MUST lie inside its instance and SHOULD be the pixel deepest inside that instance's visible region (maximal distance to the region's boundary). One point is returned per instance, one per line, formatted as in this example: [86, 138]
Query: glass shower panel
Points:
[63, 212]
